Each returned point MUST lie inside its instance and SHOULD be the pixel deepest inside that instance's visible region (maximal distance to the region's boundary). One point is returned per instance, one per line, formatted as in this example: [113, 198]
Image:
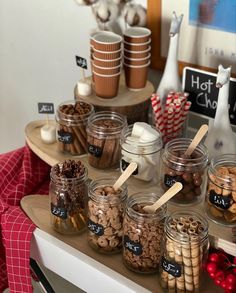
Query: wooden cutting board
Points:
[37, 209]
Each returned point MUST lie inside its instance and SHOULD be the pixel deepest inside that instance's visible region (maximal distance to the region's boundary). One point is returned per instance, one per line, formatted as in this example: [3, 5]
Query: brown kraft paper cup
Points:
[137, 54]
[107, 41]
[137, 35]
[137, 47]
[107, 55]
[107, 63]
[135, 62]
[136, 76]
[106, 86]
[106, 70]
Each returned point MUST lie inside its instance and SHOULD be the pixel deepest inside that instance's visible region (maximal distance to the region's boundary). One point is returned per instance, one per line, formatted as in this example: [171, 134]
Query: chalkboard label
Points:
[220, 201]
[125, 164]
[59, 211]
[95, 150]
[65, 137]
[203, 93]
[170, 180]
[97, 229]
[81, 62]
[171, 267]
[46, 108]
[134, 247]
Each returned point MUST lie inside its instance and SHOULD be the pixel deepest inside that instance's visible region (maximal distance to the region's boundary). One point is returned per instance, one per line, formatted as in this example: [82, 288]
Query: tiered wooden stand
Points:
[37, 208]
[133, 104]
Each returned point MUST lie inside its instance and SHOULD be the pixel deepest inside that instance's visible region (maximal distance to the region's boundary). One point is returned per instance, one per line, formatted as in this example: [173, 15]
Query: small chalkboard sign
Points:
[46, 108]
[171, 267]
[94, 150]
[134, 247]
[203, 93]
[95, 228]
[220, 201]
[125, 164]
[59, 211]
[64, 137]
[81, 62]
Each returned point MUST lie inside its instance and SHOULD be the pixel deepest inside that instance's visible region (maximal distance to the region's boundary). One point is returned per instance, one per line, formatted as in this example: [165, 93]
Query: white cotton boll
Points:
[135, 15]
[86, 2]
[106, 11]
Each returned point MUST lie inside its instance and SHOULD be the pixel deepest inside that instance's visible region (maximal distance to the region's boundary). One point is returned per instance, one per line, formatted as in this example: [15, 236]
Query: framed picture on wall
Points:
[207, 35]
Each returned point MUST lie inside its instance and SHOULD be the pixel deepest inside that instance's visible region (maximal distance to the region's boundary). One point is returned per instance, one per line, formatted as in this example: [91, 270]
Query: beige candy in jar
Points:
[105, 217]
[221, 193]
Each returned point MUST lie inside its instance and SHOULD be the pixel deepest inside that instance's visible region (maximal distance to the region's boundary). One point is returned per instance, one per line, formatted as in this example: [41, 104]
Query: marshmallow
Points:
[48, 133]
[84, 88]
[138, 128]
[149, 134]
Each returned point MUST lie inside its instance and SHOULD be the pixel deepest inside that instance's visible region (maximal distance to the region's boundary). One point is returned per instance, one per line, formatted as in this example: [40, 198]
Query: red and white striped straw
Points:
[184, 114]
[177, 116]
[156, 106]
[170, 119]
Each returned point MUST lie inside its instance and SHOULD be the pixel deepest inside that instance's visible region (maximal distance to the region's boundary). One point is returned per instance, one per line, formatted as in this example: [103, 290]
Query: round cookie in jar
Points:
[184, 252]
[105, 215]
[72, 117]
[142, 233]
[68, 193]
[189, 170]
[220, 203]
[103, 139]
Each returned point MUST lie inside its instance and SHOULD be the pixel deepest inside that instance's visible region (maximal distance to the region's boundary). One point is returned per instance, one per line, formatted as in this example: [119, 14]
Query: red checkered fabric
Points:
[21, 173]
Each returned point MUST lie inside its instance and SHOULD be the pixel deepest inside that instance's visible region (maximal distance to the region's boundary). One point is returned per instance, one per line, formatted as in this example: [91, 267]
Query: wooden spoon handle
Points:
[125, 175]
[167, 196]
[196, 140]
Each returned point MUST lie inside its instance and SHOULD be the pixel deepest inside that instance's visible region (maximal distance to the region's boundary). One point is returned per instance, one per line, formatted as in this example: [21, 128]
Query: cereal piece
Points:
[223, 171]
[216, 212]
[229, 217]
[232, 170]
[232, 209]
[102, 241]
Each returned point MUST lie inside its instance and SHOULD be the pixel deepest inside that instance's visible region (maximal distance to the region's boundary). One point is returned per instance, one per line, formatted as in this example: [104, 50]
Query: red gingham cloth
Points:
[21, 173]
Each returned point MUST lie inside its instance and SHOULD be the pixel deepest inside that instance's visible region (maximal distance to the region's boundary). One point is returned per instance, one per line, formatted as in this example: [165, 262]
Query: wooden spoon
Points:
[196, 140]
[125, 175]
[151, 209]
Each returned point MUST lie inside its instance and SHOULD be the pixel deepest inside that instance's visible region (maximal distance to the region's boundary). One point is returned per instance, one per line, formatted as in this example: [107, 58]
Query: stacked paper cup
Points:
[137, 48]
[106, 63]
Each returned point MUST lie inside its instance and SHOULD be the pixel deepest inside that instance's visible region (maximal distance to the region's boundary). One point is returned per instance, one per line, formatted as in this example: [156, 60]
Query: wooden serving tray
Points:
[37, 209]
[220, 237]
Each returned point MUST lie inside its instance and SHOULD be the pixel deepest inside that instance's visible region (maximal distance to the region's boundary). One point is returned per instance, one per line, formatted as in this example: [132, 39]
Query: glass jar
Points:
[68, 193]
[72, 117]
[184, 252]
[190, 171]
[103, 137]
[142, 233]
[105, 215]
[145, 153]
[220, 203]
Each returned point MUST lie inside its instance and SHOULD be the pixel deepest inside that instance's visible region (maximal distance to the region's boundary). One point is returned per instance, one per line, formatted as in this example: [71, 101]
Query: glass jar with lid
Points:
[220, 203]
[141, 143]
[142, 233]
[105, 215]
[72, 117]
[68, 194]
[184, 252]
[103, 139]
[190, 171]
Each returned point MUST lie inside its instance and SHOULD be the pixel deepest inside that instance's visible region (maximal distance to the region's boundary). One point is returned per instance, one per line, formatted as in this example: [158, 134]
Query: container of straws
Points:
[171, 118]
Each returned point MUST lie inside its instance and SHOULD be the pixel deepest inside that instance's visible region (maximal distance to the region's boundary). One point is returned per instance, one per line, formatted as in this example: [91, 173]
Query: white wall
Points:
[38, 43]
